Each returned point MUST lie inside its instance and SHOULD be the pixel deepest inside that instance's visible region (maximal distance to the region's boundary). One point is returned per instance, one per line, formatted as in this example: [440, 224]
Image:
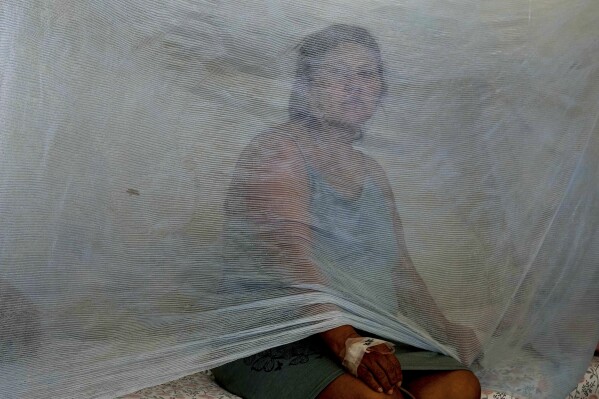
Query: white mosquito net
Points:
[169, 200]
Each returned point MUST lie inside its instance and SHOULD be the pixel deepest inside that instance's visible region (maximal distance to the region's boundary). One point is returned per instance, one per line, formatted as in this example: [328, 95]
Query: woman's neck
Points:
[338, 134]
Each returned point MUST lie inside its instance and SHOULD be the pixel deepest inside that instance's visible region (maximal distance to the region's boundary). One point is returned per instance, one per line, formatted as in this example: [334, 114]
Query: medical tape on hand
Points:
[355, 348]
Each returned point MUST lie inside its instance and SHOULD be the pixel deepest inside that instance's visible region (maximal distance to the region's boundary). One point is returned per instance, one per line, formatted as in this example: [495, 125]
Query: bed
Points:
[202, 386]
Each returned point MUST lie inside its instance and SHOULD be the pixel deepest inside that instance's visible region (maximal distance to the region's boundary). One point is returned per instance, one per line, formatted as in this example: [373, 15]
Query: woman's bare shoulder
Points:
[376, 171]
[278, 142]
[374, 168]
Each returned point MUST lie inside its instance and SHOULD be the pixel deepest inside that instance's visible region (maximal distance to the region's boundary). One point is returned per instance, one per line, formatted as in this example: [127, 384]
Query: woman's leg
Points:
[454, 384]
[347, 386]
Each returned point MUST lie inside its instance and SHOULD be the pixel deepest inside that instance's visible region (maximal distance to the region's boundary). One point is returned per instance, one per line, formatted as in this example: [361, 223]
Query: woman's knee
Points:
[456, 384]
[349, 387]
[463, 384]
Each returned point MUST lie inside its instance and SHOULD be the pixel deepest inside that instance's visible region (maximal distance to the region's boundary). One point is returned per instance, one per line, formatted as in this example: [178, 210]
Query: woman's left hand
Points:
[380, 370]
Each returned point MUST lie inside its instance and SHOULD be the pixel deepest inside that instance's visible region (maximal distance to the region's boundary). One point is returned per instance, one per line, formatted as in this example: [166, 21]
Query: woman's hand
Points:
[379, 369]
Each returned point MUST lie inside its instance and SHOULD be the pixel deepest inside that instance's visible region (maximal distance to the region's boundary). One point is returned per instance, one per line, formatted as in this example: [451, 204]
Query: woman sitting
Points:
[303, 193]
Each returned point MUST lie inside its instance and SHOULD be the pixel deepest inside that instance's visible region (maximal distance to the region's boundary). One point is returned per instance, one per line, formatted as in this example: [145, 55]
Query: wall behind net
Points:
[120, 126]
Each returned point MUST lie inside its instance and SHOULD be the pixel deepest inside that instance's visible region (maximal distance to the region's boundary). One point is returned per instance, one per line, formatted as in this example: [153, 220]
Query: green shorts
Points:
[303, 369]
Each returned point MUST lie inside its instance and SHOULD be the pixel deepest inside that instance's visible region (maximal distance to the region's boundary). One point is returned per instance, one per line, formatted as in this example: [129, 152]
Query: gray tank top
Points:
[354, 241]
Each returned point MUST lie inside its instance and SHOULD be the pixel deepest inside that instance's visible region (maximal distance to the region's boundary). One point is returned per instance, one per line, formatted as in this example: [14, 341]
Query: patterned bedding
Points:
[202, 386]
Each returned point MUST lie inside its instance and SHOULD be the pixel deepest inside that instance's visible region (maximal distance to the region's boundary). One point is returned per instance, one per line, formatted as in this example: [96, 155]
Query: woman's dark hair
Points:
[313, 49]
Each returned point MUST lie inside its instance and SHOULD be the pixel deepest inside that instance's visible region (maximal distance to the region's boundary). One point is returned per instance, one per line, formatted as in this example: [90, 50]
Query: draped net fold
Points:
[139, 242]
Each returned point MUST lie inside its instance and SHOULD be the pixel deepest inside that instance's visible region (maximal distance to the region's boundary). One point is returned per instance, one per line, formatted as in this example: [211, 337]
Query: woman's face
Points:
[347, 86]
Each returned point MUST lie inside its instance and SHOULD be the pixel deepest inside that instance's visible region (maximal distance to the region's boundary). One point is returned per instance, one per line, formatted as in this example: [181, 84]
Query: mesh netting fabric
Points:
[186, 183]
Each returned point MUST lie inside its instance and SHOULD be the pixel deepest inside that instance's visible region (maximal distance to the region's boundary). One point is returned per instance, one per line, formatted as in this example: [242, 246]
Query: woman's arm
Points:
[412, 289]
[415, 299]
[270, 189]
